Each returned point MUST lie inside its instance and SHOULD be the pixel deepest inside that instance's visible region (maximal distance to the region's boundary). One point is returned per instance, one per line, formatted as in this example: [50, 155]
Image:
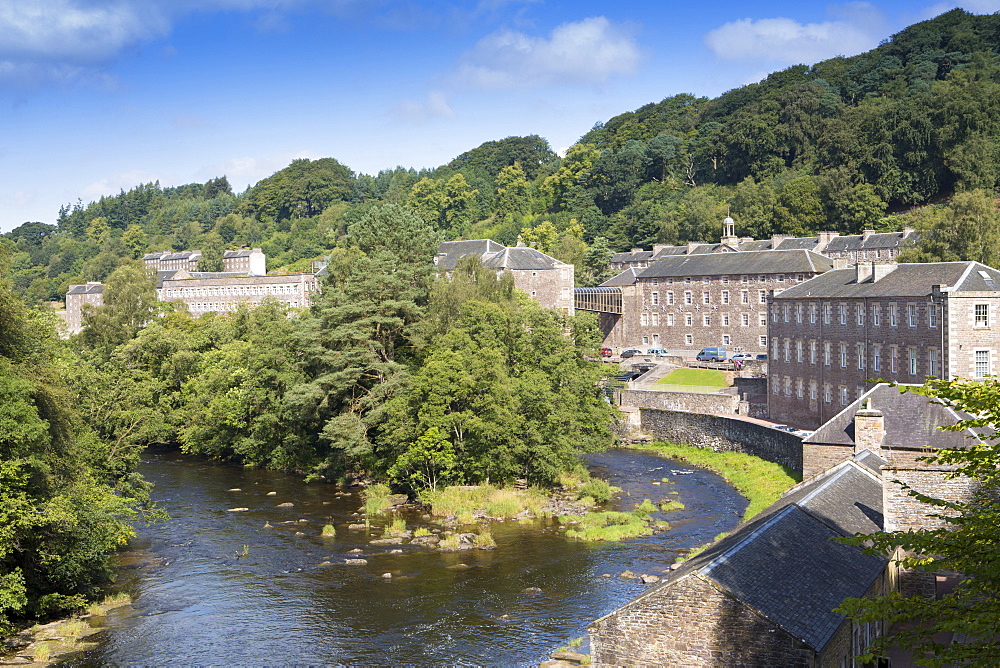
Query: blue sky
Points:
[96, 96]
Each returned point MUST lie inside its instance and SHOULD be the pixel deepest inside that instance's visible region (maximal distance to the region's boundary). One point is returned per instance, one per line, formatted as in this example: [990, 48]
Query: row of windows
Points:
[787, 384]
[228, 306]
[654, 319]
[706, 297]
[847, 355]
[234, 290]
[689, 340]
[725, 280]
[844, 313]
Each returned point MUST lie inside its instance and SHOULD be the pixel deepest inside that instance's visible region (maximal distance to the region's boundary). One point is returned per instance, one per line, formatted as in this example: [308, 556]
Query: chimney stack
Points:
[869, 429]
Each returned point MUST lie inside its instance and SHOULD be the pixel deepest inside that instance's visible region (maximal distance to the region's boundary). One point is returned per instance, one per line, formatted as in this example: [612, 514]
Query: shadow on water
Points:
[288, 596]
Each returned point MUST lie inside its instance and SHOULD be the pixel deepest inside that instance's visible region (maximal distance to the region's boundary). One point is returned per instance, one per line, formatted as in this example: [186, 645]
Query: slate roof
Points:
[911, 421]
[243, 252]
[881, 240]
[521, 257]
[450, 252]
[907, 280]
[632, 256]
[786, 565]
[88, 289]
[754, 262]
[624, 279]
[797, 243]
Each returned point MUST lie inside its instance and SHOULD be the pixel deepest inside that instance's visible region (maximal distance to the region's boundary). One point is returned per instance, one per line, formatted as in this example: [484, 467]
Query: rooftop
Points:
[753, 262]
[906, 280]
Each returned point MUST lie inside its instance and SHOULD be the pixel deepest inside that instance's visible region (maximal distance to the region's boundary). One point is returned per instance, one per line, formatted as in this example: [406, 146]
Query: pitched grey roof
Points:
[521, 257]
[450, 252]
[911, 421]
[87, 289]
[797, 243]
[785, 563]
[753, 262]
[631, 256]
[153, 256]
[881, 240]
[906, 280]
[623, 279]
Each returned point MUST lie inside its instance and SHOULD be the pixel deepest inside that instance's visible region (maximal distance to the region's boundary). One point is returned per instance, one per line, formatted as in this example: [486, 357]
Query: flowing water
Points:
[213, 587]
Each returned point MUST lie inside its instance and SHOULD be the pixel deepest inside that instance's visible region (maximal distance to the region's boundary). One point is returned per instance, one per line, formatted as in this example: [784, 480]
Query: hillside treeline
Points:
[878, 140]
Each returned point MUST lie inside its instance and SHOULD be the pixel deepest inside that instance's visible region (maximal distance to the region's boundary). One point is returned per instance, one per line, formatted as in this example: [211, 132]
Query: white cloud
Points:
[434, 106]
[972, 6]
[589, 51]
[859, 27]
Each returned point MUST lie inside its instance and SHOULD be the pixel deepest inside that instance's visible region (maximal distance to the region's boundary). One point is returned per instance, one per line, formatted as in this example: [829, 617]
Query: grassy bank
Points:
[760, 481]
[699, 377]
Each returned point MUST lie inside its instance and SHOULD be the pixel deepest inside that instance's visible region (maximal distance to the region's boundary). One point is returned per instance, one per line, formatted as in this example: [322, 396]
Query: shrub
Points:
[600, 490]
[376, 499]
[667, 505]
[485, 539]
[422, 531]
[395, 529]
[329, 531]
[646, 507]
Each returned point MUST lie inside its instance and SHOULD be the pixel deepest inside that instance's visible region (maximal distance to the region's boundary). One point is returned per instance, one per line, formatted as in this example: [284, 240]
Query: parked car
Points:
[762, 357]
[784, 427]
[741, 357]
[712, 354]
[606, 352]
[657, 352]
[631, 352]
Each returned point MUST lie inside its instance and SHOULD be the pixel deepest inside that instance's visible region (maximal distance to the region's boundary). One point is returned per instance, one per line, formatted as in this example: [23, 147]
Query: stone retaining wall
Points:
[695, 402]
[724, 434]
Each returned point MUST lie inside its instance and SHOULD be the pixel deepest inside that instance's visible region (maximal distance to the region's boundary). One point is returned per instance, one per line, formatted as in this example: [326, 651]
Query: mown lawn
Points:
[699, 377]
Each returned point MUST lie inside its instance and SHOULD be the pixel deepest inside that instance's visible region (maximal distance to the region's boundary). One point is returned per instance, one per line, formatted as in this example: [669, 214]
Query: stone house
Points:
[687, 302]
[78, 295]
[246, 261]
[765, 594]
[902, 323]
[542, 277]
[204, 292]
[168, 261]
[243, 261]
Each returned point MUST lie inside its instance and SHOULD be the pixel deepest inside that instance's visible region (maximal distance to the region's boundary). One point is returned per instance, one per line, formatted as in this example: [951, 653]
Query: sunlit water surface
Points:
[203, 598]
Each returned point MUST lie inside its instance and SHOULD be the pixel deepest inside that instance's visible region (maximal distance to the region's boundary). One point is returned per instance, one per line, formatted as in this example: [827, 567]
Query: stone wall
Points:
[724, 433]
[689, 622]
[694, 402]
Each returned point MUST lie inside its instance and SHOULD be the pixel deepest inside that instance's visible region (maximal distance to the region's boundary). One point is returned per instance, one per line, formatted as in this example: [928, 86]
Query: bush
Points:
[376, 499]
[600, 490]
[329, 531]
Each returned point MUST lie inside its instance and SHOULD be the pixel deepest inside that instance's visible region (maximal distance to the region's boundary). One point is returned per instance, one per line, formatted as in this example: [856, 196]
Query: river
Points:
[201, 597]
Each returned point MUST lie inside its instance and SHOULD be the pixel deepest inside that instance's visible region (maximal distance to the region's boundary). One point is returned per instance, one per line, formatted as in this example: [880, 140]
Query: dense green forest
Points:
[879, 140]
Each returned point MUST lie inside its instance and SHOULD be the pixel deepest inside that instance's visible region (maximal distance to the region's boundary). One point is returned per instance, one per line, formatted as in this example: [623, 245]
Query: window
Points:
[644, 319]
[812, 390]
[688, 319]
[706, 320]
[745, 296]
[861, 315]
[725, 296]
[774, 312]
[812, 352]
[861, 356]
[812, 313]
[645, 340]
[688, 339]
[911, 315]
[842, 310]
[725, 280]
[656, 339]
[875, 315]
[725, 320]
[656, 281]
[788, 386]
[827, 308]
[786, 311]
[687, 280]
[798, 278]
[762, 296]
[744, 279]
[843, 396]
[827, 393]
[826, 353]
[761, 278]
[982, 359]
[788, 350]
[774, 348]
[932, 366]
[798, 351]
[688, 299]
[843, 355]
[913, 361]
[892, 314]
[654, 319]
[670, 320]
[656, 298]
[670, 297]
[893, 359]
[932, 315]
[745, 319]
[725, 339]
[706, 298]
[798, 388]
[876, 358]
[774, 385]
[704, 279]
[763, 342]
[763, 320]
[798, 313]
[982, 315]
[781, 278]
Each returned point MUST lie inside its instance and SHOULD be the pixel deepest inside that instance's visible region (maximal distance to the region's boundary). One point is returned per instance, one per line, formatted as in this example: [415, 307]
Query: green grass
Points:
[376, 499]
[609, 525]
[597, 489]
[668, 505]
[485, 500]
[395, 529]
[760, 481]
[329, 531]
[699, 377]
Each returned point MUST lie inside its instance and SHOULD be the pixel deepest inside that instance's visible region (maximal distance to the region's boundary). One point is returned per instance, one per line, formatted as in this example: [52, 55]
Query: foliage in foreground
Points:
[969, 544]
[760, 481]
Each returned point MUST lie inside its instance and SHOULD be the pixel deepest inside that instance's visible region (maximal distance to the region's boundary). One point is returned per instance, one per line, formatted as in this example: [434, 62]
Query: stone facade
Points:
[76, 297]
[694, 402]
[212, 293]
[683, 303]
[172, 261]
[901, 323]
[724, 434]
